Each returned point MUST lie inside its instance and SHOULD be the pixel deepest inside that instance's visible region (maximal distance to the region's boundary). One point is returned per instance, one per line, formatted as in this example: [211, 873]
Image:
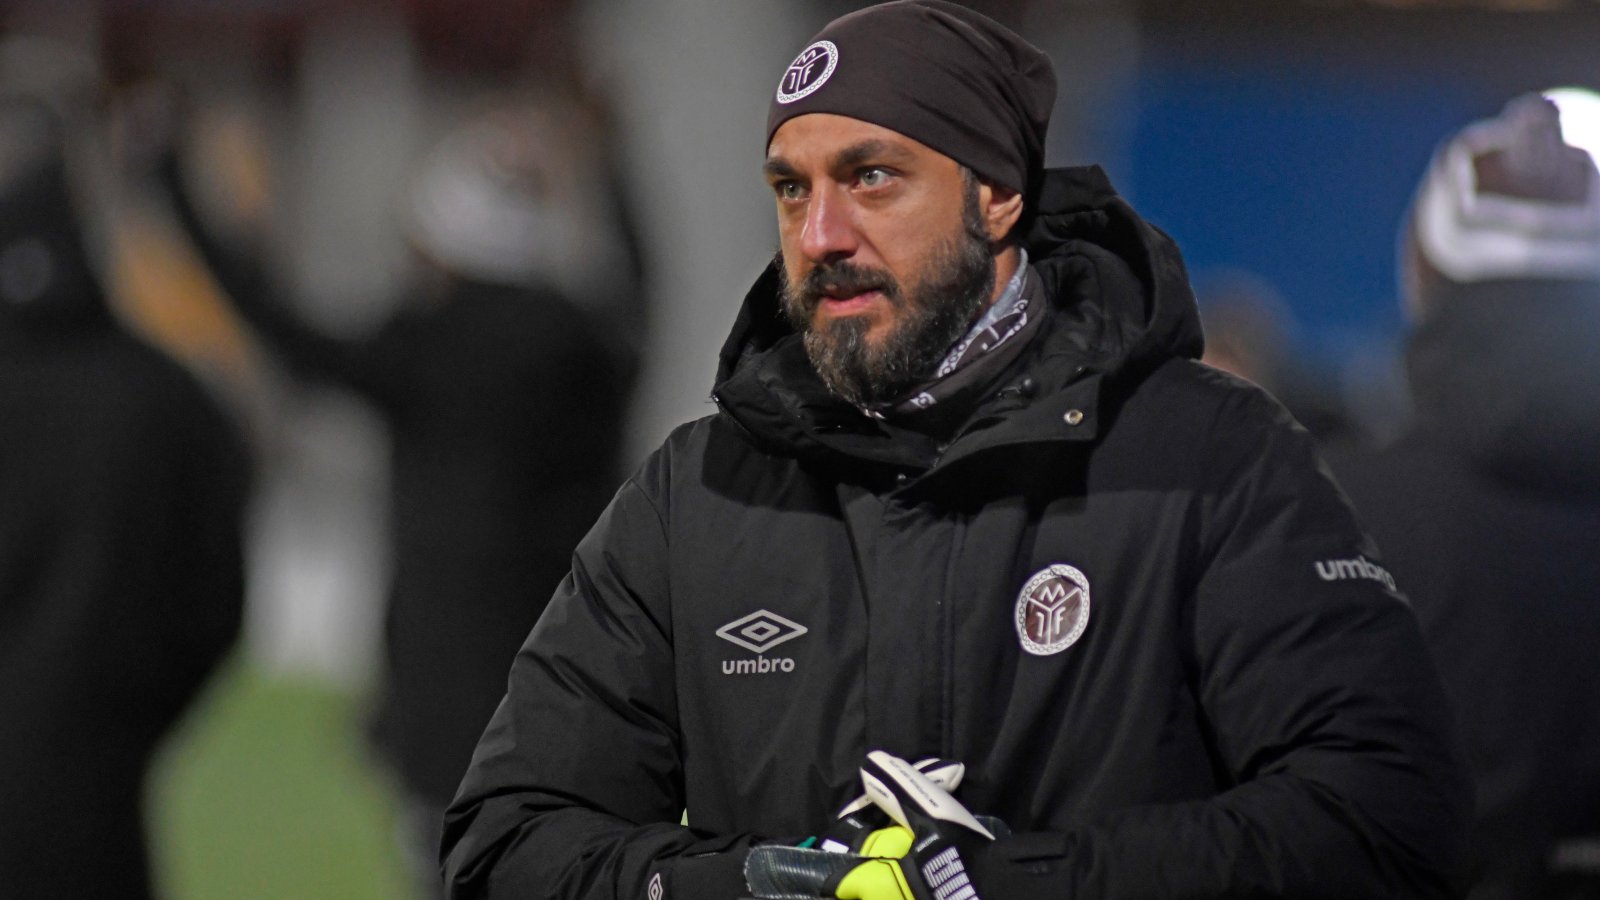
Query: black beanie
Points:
[936, 72]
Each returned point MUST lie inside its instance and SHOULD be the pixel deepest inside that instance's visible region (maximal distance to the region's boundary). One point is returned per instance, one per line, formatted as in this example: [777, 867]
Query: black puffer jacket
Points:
[1230, 722]
[1489, 511]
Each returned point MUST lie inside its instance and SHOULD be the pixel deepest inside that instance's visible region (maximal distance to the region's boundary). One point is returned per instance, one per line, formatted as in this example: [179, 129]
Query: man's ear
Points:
[1000, 207]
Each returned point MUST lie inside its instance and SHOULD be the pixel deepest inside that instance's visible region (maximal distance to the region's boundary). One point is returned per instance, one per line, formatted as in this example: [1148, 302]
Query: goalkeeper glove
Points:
[861, 817]
[917, 855]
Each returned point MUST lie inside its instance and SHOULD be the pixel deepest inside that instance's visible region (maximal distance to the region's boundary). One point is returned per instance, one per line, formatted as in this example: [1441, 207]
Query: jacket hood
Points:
[1118, 303]
[1503, 372]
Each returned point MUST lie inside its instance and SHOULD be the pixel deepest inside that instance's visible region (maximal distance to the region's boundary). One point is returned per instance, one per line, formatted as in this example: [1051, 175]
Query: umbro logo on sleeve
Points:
[1359, 567]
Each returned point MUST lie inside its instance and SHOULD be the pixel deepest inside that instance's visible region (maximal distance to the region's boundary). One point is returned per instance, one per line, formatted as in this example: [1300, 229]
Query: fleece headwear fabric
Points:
[1507, 198]
[935, 72]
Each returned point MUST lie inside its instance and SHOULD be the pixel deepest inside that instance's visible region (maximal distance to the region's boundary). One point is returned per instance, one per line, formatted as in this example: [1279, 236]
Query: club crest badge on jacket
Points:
[1052, 609]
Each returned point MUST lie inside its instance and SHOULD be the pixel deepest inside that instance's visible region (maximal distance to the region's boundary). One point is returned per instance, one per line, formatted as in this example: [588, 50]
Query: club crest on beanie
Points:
[809, 71]
[936, 72]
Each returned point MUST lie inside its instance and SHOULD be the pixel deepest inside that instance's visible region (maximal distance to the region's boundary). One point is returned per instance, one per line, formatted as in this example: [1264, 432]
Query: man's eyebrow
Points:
[869, 151]
[778, 168]
[851, 157]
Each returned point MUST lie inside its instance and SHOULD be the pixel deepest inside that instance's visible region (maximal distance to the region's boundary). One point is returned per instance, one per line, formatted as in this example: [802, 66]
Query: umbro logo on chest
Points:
[759, 632]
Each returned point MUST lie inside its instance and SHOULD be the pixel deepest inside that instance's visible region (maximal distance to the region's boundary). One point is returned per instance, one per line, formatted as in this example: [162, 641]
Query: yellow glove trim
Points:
[875, 879]
[888, 843]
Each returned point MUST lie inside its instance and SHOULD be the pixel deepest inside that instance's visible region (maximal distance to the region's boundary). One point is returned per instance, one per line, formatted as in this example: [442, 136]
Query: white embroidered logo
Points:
[1052, 610]
[809, 71]
[760, 631]
[654, 893]
[1360, 567]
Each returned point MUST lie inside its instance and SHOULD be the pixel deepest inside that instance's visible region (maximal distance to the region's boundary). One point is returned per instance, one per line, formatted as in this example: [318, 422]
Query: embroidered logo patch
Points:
[1052, 610]
[809, 71]
[654, 891]
[760, 631]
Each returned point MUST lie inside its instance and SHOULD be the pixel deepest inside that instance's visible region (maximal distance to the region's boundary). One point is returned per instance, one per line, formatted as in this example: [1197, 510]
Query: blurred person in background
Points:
[122, 488]
[1250, 333]
[1488, 507]
[503, 380]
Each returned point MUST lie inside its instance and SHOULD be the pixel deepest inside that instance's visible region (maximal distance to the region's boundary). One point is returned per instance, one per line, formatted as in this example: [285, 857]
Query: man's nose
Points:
[829, 231]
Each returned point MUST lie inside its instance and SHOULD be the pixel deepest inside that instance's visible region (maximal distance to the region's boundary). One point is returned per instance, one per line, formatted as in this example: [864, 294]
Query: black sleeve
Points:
[1324, 707]
[576, 789]
[370, 366]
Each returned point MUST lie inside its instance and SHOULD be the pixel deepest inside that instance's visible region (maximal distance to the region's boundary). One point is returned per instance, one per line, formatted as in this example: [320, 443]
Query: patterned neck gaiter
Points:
[992, 343]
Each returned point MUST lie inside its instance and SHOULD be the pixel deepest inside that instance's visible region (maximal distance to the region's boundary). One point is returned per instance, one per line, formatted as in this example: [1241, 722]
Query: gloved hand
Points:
[917, 855]
[861, 816]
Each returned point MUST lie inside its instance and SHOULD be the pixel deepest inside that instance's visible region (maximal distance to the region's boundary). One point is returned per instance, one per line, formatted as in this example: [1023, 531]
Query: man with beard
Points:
[976, 585]
[830, 306]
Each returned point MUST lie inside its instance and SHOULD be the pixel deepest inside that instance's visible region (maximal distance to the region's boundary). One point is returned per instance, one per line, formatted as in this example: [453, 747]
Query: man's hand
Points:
[862, 817]
[945, 833]
[905, 845]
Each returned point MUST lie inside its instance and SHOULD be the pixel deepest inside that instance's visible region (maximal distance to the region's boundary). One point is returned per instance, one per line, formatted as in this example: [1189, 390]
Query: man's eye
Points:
[871, 178]
[789, 190]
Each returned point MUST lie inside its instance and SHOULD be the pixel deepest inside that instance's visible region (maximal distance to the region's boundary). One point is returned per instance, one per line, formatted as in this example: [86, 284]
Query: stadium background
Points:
[1276, 139]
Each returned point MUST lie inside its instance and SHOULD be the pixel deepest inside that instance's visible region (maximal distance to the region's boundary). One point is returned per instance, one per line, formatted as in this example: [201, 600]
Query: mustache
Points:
[844, 278]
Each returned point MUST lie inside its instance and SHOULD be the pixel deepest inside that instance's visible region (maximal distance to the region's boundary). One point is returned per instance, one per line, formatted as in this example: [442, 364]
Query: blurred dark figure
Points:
[1488, 508]
[504, 382]
[121, 494]
[1249, 332]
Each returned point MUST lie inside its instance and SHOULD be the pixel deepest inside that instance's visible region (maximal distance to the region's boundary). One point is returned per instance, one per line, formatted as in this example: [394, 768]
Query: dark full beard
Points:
[933, 314]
